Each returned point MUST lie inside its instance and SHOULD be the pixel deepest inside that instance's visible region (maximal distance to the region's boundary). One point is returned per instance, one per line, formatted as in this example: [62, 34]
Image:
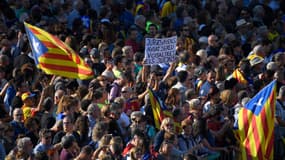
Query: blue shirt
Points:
[204, 90]
[19, 128]
[41, 148]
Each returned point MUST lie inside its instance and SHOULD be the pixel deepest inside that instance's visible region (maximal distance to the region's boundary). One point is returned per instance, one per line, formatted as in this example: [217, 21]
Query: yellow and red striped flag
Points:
[256, 125]
[55, 57]
[239, 77]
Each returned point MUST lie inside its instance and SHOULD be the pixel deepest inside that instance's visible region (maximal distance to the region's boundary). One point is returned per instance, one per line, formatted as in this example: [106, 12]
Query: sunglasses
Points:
[169, 125]
[136, 121]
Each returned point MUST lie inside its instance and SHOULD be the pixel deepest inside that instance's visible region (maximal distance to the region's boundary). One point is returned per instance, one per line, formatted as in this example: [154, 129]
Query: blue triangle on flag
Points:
[37, 46]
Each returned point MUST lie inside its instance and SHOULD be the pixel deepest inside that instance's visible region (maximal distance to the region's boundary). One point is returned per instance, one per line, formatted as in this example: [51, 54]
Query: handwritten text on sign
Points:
[160, 50]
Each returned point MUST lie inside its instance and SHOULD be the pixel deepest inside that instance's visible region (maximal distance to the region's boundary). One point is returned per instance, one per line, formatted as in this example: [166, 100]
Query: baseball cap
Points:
[27, 95]
[199, 70]
[241, 23]
[256, 60]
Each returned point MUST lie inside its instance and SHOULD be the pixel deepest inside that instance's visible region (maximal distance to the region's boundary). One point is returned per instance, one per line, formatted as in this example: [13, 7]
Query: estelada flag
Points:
[55, 57]
[256, 125]
[159, 109]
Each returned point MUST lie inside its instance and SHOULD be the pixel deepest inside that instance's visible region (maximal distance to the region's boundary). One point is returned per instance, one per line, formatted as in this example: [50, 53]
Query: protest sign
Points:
[160, 50]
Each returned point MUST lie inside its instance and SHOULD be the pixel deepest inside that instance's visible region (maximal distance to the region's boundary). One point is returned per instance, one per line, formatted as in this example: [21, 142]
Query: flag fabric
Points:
[159, 109]
[256, 125]
[55, 57]
[239, 77]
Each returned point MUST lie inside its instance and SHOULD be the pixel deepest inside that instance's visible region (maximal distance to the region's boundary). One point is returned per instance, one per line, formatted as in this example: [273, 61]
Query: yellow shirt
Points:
[27, 111]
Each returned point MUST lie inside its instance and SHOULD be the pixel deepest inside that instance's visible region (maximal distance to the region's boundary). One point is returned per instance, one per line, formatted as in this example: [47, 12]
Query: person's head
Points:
[281, 93]
[57, 95]
[99, 130]
[47, 104]
[244, 66]
[133, 34]
[25, 145]
[211, 76]
[126, 92]
[214, 95]
[258, 11]
[2, 129]
[190, 94]
[140, 21]
[259, 50]
[189, 157]
[28, 99]
[212, 40]
[115, 111]
[138, 138]
[41, 156]
[128, 51]
[228, 97]
[136, 153]
[138, 122]
[202, 54]
[32, 124]
[82, 125]
[199, 127]
[118, 61]
[68, 141]
[21, 85]
[182, 76]
[201, 73]
[67, 104]
[45, 136]
[195, 108]
[165, 148]
[105, 140]
[67, 124]
[279, 58]
[85, 153]
[18, 115]
[167, 125]
[186, 125]
[94, 111]
[279, 75]
[152, 30]
[173, 97]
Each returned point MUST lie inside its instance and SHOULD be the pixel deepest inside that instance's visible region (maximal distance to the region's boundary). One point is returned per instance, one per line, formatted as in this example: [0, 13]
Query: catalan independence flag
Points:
[158, 108]
[55, 57]
[239, 77]
[256, 125]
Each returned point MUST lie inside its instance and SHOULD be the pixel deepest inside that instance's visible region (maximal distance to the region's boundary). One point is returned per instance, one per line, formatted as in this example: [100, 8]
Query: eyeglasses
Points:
[136, 120]
[169, 125]
[124, 91]
[66, 123]
[19, 115]
[48, 137]
[185, 29]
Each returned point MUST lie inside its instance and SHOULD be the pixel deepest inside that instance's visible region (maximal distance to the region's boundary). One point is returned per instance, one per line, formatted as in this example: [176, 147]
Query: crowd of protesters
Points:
[227, 50]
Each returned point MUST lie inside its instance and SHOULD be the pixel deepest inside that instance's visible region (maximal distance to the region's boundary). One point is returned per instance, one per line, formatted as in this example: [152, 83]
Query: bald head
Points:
[212, 40]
